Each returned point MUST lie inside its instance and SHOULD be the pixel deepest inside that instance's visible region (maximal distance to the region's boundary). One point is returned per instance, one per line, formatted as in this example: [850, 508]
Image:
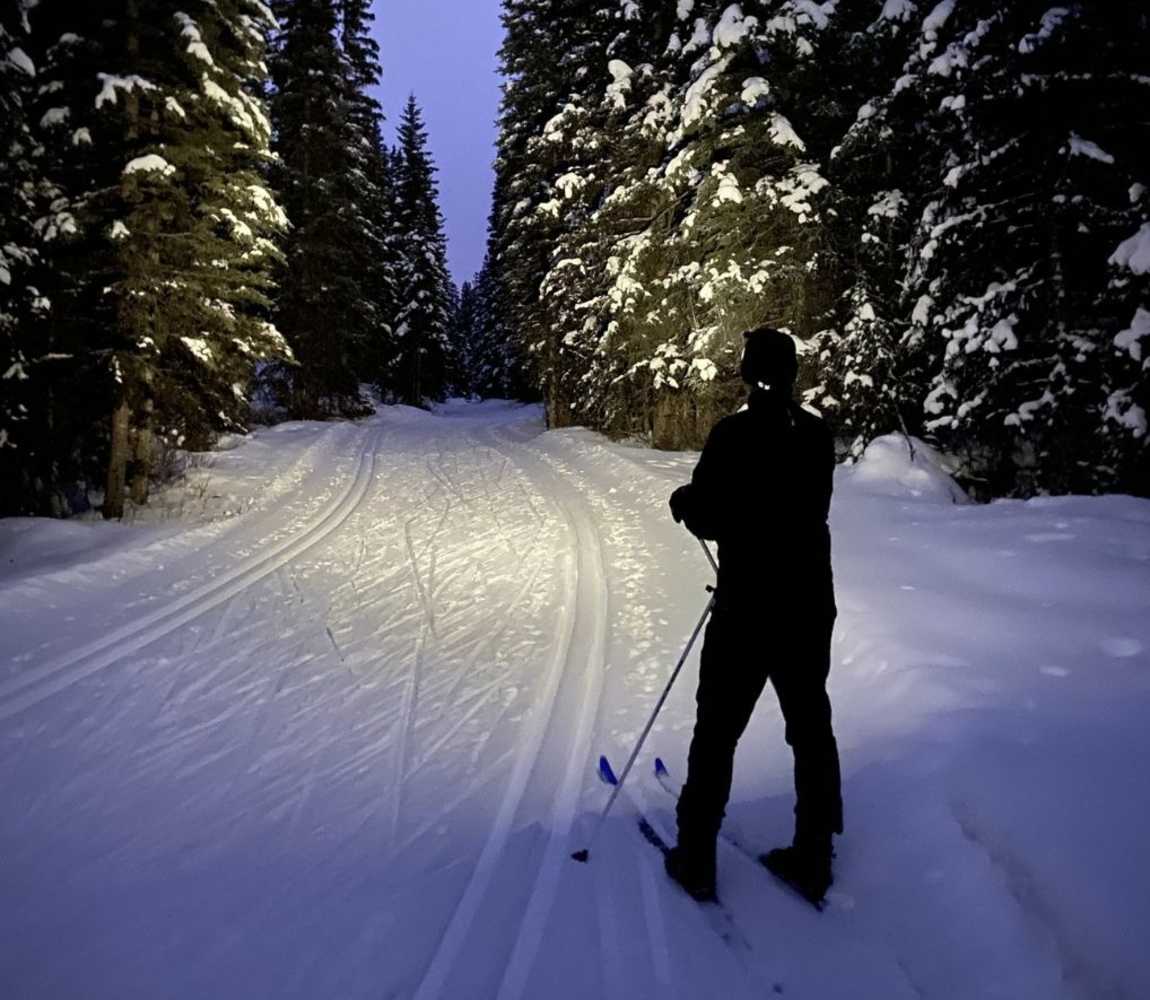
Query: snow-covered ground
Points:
[341, 744]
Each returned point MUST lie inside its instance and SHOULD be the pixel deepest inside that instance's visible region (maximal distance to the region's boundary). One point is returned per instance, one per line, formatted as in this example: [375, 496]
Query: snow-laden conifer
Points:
[422, 363]
[325, 306]
[161, 228]
[27, 452]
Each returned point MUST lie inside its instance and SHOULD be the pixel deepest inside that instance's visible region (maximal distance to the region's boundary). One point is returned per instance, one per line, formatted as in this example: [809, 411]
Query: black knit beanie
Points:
[769, 359]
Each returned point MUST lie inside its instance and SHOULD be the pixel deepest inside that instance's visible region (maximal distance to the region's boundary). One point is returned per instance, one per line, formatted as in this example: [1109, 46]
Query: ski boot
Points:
[692, 865]
[806, 868]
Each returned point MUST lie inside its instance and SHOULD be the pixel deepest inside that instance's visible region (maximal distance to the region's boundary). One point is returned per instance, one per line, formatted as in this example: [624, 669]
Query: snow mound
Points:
[888, 468]
[32, 545]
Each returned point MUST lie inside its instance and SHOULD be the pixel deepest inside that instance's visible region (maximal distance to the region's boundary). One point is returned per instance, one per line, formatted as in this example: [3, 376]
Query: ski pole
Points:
[585, 854]
[710, 558]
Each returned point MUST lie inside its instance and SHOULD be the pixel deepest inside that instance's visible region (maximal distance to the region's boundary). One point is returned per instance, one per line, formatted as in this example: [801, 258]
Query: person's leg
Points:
[800, 683]
[730, 682]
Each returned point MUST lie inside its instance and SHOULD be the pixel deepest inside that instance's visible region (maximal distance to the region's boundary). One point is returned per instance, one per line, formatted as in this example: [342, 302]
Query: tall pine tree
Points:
[161, 231]
[325, 307]
[21, 304]
[423, 356]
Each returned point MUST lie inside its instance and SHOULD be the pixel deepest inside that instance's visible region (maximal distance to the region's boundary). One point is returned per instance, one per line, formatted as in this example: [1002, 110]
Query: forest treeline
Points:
[946, 202]
[197, 208]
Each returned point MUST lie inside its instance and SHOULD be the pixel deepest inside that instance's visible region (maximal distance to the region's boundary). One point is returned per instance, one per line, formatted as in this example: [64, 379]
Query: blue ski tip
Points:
[605, 772]
[660, 767]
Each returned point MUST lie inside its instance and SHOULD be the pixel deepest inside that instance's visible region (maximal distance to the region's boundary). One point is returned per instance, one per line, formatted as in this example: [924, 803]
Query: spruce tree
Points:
[372, 240]
[161, 231]
[324, 309]
[466, 332]
[869, 379]
[497, 363]
[21, 304]
[547, 61]
[1011, 280]
[422, 364]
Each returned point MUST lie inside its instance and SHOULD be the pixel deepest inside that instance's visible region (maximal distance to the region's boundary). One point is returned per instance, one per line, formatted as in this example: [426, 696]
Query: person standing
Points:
[762, 490]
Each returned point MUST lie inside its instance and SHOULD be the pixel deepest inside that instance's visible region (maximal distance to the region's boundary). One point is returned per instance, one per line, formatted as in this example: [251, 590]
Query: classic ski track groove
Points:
[484, 694]
[31, 687]
[444, 960]
[591, 596]
[415, 683]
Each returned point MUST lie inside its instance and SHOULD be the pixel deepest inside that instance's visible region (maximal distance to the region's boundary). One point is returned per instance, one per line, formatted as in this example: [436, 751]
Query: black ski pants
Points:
[741, 651]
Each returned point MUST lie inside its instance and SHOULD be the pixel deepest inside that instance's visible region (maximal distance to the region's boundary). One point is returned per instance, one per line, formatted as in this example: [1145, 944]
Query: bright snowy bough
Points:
[151, 163]
[1134, 253]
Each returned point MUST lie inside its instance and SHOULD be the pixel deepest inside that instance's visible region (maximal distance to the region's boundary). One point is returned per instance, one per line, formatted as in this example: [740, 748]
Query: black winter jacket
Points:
[762, 490]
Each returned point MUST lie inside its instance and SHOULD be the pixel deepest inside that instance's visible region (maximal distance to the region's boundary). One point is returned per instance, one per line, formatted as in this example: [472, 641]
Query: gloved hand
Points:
[681, 503]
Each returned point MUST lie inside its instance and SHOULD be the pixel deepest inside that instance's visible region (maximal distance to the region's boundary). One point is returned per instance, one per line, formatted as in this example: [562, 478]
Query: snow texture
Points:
[151, 163]
[1050, 22]
[1130, 339]
[733, 27]
[1134, 253]
[755, 89]
[20, 59]
[55, 116]
[897, 10]
[621, 75]
[695, 101]
[323, 724]
[191, 31]
[110, 85]
[782, 132]
[1091, 150]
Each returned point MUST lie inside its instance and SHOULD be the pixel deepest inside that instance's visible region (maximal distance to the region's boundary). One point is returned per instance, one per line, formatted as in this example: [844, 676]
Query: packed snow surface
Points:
[328, 730]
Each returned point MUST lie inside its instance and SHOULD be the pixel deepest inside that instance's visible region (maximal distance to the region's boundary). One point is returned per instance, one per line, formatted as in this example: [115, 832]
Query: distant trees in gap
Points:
[946, 202]
[197, 205]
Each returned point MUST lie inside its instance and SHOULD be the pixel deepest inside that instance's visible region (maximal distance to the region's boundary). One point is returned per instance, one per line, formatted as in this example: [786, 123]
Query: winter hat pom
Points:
[769, 358]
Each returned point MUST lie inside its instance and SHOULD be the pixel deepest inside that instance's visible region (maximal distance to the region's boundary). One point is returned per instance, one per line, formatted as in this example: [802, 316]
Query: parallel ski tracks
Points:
[30, 687]
[584, 613]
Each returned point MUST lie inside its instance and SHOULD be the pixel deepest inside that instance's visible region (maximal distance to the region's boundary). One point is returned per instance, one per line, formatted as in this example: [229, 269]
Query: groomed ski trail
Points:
[27, 688]
[342, 745]
[577, 664]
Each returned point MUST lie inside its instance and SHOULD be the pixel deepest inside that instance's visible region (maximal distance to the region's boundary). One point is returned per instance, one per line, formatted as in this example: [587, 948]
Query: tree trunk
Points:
[142, 457]
[117, 463]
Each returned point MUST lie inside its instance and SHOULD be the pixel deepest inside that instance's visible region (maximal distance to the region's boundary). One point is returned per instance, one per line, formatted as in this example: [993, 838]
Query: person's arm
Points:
[698, 504]
[827, 469]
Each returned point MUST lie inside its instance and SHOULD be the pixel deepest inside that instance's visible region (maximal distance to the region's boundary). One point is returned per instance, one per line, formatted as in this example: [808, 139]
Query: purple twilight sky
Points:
[445, 52]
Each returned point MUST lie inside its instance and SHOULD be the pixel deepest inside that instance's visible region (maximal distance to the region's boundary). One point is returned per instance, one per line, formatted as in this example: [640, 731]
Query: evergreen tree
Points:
[21, 304]
[466, 333]
[497, 365]
[868, 379]
[161, 229]
[422, 365]
[1010, 275]
[325, 308]
[940, 199]
[372, 241]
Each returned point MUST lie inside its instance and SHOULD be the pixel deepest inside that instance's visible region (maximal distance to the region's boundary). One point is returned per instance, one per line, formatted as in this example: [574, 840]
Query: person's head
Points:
[769, 359]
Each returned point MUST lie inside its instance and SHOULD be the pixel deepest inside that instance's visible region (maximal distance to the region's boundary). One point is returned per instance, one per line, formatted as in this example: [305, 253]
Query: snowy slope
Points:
[341, 745]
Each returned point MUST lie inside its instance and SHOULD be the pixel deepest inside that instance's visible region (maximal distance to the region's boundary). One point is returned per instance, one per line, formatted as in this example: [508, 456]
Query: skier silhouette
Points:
[762, 490]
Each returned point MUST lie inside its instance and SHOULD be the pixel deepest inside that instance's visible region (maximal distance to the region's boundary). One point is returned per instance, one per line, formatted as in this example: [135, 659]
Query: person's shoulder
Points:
[811, 420]
[724, 427]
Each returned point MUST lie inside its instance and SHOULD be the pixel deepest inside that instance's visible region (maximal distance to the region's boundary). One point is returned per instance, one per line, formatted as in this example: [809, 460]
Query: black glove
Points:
[681, 503]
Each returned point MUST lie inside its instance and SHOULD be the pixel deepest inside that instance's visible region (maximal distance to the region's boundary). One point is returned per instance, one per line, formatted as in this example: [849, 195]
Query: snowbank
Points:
[888, 467]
